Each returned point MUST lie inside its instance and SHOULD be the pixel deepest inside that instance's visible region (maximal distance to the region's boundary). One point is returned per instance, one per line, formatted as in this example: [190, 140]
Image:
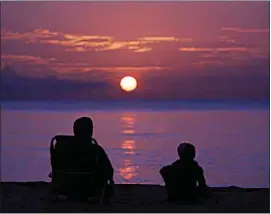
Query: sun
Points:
[128, 83]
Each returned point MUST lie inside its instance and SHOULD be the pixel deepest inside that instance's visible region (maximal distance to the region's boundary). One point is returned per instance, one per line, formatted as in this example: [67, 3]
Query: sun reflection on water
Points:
[128, 146]
[129, 169]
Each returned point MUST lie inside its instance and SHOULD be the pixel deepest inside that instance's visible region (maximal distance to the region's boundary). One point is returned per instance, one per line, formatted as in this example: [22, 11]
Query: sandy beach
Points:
[31, 197]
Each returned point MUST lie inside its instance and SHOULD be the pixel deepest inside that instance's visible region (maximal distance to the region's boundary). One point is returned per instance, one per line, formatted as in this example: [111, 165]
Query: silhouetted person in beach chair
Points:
[80, 167]
[184, 179]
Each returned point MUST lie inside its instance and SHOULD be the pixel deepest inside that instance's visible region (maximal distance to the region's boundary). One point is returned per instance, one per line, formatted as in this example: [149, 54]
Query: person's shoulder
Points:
[178, 161]
[176, 164]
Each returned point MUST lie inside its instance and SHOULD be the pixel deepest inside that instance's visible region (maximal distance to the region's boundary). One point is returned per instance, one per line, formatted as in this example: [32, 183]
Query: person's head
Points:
[83, 127]
[186, 151]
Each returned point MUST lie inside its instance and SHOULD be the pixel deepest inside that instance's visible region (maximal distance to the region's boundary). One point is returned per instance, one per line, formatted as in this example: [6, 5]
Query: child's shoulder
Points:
[177, 163]
[180, 163]
[195, 163]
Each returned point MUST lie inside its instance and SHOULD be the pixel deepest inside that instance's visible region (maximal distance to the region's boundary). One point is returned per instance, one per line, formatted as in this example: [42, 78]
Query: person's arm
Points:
[203, 189]
[201, 178]
[105, 164]
[165, 172]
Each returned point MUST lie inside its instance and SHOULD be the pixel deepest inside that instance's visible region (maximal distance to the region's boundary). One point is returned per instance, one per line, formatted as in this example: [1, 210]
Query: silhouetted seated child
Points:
[184, 179]
[81, 153]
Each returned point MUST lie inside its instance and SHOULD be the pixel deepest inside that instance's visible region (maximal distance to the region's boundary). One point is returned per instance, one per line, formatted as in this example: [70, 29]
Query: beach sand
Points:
[31, 197]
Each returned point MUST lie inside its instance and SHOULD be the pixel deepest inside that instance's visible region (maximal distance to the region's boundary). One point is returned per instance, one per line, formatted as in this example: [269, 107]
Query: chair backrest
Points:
[71, 156]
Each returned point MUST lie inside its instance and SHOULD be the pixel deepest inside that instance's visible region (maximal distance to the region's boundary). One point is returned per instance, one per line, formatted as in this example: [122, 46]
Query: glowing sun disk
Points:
[128, 83]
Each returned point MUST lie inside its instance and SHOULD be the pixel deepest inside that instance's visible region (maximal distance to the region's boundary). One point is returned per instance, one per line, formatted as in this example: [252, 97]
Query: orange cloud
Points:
[77, 49]
[245, 30]
[165, 39]
[141, 45]
[228, 49]
[134, 46]
[113, 46]
[140, 50]
[33, 36]
[84, 43]
[81, 38]
[101, 43]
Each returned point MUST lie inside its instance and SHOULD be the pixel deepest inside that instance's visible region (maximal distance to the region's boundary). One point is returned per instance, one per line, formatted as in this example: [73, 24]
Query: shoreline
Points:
[31, 197]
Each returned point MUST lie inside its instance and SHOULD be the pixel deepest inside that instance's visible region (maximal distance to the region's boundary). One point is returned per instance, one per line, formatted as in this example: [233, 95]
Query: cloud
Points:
[140, 50]
[245, 30]
[226, 39]
[86, 43]
[47, 51]
[165, 39]
[34, 36]
[87, 38]
[225, 54]
[225, 49]
[33, 62]
[26, 59]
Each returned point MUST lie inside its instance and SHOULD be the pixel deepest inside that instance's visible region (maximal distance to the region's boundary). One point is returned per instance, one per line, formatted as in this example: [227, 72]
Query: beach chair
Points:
[73, 170]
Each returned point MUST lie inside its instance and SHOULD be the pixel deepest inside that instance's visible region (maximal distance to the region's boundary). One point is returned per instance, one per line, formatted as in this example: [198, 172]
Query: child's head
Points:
[186, 151]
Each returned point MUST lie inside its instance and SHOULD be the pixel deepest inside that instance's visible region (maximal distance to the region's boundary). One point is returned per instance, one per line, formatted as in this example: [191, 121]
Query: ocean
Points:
[231, 140]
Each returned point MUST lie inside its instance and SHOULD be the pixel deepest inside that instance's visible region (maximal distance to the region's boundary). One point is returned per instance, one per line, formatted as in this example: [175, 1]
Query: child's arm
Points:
[165, 173]
[201, 179]
[203, 189]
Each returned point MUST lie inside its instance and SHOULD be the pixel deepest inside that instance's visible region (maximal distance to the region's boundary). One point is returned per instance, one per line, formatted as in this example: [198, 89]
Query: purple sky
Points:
[180, 50]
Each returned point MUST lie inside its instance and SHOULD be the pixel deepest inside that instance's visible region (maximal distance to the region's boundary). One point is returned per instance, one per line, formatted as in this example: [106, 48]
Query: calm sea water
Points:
[232, 142]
